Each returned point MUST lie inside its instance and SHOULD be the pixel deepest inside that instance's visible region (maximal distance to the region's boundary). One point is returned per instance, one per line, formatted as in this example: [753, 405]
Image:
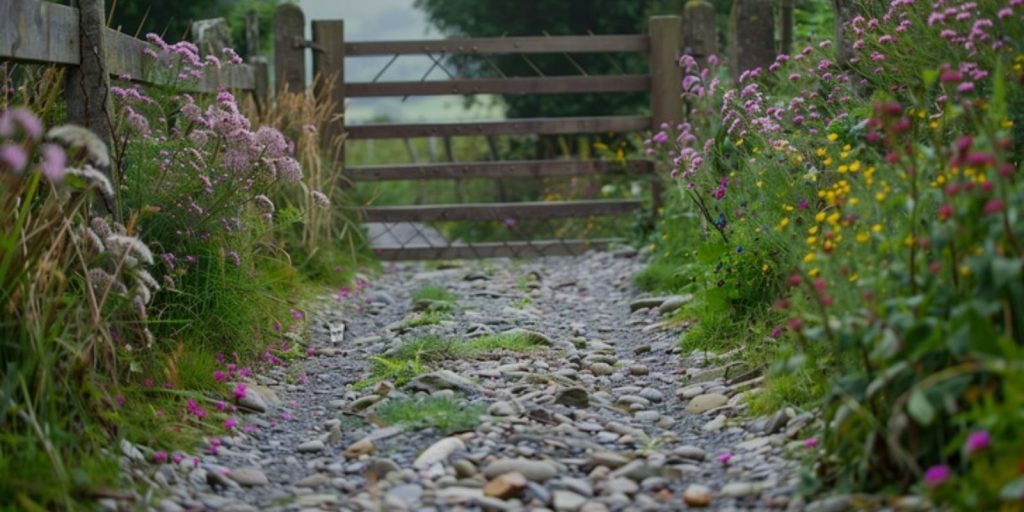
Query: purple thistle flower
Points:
[977, 441]
[936, 475]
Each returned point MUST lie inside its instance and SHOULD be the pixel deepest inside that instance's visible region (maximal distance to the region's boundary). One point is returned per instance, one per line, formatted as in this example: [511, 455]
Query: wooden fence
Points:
[33, 31]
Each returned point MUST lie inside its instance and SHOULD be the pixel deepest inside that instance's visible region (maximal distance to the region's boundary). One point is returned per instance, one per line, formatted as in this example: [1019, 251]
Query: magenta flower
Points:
[936, 475]
[119, 399]
[230, 423]
[993, 206]
[810, 442]
[725, 457]
[177, 458]
[977, 441]
[160, 456]
[219, 376]
[240, 390]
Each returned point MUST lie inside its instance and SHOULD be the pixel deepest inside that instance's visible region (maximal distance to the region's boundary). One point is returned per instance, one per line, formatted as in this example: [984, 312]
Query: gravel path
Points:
[608, 416]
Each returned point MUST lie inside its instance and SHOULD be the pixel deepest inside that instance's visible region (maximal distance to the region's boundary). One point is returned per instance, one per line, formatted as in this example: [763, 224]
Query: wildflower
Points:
[230, 423]
[936, 475]
[320, 199]
[119, 399]
[725, 457]
[219, 376]
[810, 442]
[14, 157]
[965, 87]
[81, 138]
[177, 458]
[220, 405]
[993, 206]
[93, 178]
[240, 390]
[977, 441]
[160, 456]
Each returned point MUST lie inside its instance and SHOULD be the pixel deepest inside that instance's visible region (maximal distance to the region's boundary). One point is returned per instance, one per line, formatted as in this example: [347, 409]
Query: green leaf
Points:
[1013, 491]
[920, 408]
[1005, 270]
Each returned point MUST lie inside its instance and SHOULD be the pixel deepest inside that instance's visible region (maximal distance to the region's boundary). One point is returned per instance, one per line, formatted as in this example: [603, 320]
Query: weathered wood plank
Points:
[517, 249]
[514, 85]
[498, 45]
[47, 33]
[498, 169]
[539, 126]
[500, 211]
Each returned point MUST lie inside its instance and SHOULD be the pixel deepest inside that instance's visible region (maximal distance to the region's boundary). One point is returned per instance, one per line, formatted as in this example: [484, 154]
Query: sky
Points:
[379, 20]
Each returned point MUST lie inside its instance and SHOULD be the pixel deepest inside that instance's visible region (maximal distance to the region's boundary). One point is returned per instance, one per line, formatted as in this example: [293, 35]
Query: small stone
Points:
[501, 408]
[697, 495]
[689, 392]
[639, 370]
[673, 303]
[405, 493]
[313, 446]
[438, 452]
[739, 489]
[536, 470]
[690, 452]
[381, 467]
[464, 469]
[359, 448]
[648, 416]
[313, 481]
[610, 460]
[568, 501]
[505, 485]
[652, 394]
[249, 477]
[706, 402]
[573, 397]
[623, 485]
[601, 369]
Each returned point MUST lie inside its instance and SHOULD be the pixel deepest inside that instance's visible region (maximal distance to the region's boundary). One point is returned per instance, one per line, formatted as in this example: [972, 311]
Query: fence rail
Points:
[505, 169]
[522, 126]
[634, 43]
[39, 32]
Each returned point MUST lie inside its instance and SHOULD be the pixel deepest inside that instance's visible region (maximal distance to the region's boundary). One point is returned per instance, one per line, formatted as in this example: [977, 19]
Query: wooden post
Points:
[699, 36]
[289, 54]
[252, 34]
[87, 87]
[261, 87]
[666, 79]
[787, 27]
[751, 35]
[845, 11]
[329, 68]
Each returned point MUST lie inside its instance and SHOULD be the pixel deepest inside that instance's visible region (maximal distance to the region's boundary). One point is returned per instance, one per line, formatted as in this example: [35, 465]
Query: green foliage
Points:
[434, 297]
[397, 370]
[662, 276]
[446, 414]
[877, 215]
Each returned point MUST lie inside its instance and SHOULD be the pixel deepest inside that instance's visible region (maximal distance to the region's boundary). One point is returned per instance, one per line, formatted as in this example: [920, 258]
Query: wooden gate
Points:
[661, 45]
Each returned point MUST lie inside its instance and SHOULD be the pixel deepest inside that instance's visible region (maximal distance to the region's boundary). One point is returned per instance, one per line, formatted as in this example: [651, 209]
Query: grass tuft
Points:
[441, 412]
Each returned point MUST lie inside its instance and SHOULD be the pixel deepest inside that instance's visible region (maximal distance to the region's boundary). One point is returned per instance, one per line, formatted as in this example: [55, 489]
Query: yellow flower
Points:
[814, 272]
[834, 218]
[855, 166]
[832, 137]
[1006, 124]
[965, 270]
[820, 216]
[811, 240]
[879, 196]
[827, 162]
[813, 230]
[739, 143]
[863, 237]
[854, 277]
[784, 222]
[809, 257]
[877, 228]
[820, 152]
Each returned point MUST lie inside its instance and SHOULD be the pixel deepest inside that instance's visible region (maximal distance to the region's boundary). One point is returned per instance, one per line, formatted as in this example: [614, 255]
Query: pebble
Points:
[505, 485]
[706, 402]
[249, 477]
[535, 470]
[313, 446]
[359, 448]
[697, 495]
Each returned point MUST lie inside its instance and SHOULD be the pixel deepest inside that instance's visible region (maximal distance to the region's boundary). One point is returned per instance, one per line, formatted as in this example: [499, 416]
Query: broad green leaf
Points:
[920, 408]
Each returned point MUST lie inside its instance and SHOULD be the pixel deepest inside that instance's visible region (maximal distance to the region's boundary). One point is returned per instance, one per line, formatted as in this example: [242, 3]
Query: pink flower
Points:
[177, 458]
[965, 87]
[160, 456]
[230, 423]
[14, 157]
[936, 475]
[119, 399]
[220, 405]
[810, 442]
[54, 162]
[977, 441]
[219, 376]
[725, 457]
[240, 390]
[993, 206]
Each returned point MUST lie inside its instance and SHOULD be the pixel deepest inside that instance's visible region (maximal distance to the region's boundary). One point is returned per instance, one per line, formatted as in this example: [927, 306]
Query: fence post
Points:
[666, 80]
[252, 34]
[787, 27]
[289, 57]
[329, 70]
[699, 36]
[845, 11]
[261, 87]
[87, 86]
[751, 35]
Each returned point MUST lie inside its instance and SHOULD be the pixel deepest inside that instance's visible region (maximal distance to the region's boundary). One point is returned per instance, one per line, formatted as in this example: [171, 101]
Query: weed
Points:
[444, 413]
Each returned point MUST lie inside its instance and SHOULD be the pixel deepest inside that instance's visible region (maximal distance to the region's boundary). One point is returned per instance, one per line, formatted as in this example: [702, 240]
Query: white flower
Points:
[82, 138]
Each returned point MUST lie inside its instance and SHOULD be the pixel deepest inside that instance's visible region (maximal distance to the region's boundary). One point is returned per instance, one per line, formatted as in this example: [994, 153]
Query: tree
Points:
[172, 19]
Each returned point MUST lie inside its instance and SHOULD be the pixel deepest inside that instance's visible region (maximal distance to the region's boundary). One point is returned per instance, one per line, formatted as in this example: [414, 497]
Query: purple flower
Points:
[810, 442]
[14, 157]
[240, 390]
[230, 423]
[725, 457]
[160, 456]
[936, 475]
[977, 441]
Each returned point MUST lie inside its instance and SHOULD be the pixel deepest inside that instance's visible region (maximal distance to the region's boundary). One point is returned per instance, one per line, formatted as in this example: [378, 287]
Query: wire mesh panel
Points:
[586, 197]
